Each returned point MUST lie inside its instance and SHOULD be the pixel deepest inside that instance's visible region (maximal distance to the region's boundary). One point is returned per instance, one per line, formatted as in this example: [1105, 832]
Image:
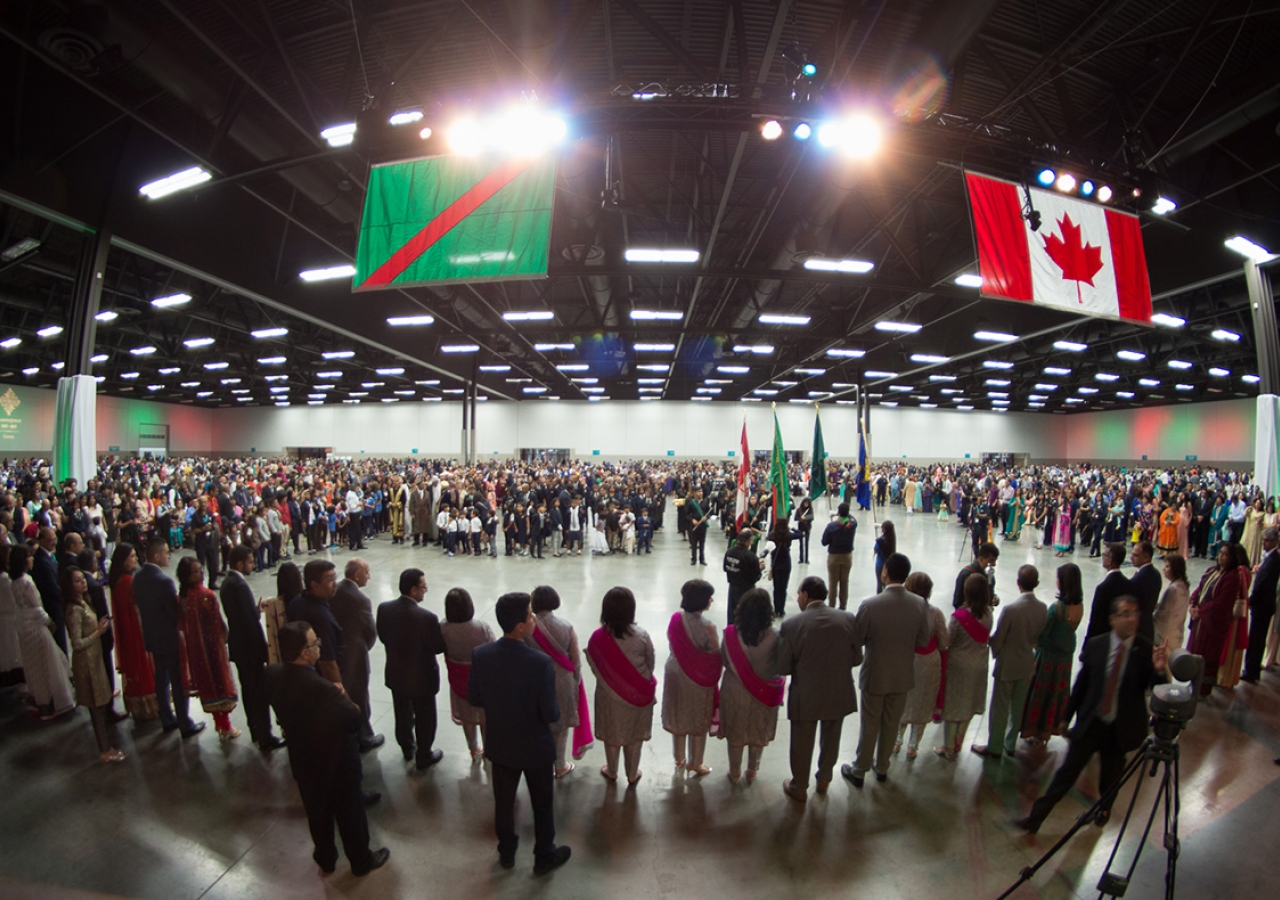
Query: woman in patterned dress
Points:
[1046, 710]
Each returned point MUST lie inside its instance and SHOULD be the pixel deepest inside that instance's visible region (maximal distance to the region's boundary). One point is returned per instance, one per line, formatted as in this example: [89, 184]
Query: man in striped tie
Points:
[1109, 701]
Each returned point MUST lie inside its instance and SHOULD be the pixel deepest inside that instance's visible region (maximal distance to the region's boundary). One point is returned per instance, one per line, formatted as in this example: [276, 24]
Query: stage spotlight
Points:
[1086, 188]
[808, 70]
[860, 136]
[828, 134]
[803, 131]
[1047, 177]
[1163, 205]
[1066, 182]
[1104, 194]
[771, 130]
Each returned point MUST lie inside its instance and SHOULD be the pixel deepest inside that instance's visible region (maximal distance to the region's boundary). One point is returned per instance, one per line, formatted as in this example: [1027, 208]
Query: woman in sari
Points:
[1046, 711]
[1237, 642]
[1251, 537]
[1171, 613]
[967, 665]
[556, 638]
[1062, 527]
[922, 701]
[84, 634]
[462, 634]
[205, 634]
[691, 679]
[621, 656]
[44, 665]
[1212, 611]
[274, 609]
[1167, 536]
[1184, 528]
[1016, 516]
[750, 693]
[132, 660]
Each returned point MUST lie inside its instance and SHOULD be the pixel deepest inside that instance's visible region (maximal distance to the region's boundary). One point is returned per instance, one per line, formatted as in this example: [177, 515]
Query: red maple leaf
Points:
[1077, 260]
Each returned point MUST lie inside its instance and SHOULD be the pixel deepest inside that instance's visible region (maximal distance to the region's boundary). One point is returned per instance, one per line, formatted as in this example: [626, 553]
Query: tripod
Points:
[1162, 754]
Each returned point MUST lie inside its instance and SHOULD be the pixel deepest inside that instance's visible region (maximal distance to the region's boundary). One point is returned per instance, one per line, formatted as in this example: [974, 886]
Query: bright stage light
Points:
[771, 130]
[1086, 188]
[1163, 205]
[1047, 177]
[803, 131]
[407, 117]
[1104, 194]
[1066, 182]
[520, 130]
[808, 70]
[178, 181]
[857, 136]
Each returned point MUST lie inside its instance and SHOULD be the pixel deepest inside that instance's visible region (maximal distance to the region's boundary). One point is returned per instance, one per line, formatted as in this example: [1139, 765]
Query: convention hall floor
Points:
[202, 819]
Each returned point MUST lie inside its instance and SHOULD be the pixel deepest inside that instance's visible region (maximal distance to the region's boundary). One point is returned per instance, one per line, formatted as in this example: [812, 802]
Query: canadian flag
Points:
[1085, 258]
[744, 480]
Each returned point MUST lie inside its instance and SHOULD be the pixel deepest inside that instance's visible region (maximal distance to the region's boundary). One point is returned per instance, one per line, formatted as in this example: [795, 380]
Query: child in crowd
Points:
[644, 532]
[476, 528]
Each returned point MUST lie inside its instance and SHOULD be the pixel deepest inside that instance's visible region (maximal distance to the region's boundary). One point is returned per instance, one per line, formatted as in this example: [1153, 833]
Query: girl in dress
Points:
[1062, 527]
[750, 693]
[692, 677]
[84, 634]
[556, 638]
[599, 539]
[922, 701]
[1167, 536]
[621, 656]
[462, 634]
[967, 664]
[1046, 709]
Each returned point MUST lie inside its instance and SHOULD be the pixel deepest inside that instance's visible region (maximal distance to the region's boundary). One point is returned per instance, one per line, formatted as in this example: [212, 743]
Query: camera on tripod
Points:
[1173, 704]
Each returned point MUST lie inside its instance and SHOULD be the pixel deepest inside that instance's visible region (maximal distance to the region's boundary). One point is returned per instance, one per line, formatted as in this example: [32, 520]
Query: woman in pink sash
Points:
[556, 638]
[967, 662]
[462, 634]
[922, 700]
[621, 655]
[691, 679]
[750, 694]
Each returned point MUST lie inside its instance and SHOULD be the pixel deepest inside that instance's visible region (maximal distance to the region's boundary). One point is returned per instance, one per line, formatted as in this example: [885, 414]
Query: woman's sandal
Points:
[612, 776]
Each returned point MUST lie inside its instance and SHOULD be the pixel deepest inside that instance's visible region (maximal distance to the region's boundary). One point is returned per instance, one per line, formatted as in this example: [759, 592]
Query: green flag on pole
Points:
[818, 468]
[780, 485]
[452, 219]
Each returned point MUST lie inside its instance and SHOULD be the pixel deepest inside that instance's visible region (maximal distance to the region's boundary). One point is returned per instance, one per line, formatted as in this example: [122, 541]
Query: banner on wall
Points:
[75, 430]
[1266, 454]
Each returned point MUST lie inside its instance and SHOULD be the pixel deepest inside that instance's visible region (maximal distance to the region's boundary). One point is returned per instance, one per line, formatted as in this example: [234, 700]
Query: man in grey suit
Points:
[889, 628]
[818, 648]
[1013, 645]
[354, 612]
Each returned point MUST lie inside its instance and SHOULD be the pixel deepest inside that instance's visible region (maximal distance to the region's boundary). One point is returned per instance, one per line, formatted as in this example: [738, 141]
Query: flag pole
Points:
[866, 440]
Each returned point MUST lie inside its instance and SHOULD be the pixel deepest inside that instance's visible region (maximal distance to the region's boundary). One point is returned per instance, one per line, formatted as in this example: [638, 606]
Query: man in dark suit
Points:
[44, 572]
[986, 557]
[412, 638]
[818, 648]
[1262, 605]
[354, 612]
[1146, 583]
[324, 751]
[247, 646]
[312, 605]
[1109, 702]
[516, 687]
[697, 528]
[1109, 588]
[157, 599]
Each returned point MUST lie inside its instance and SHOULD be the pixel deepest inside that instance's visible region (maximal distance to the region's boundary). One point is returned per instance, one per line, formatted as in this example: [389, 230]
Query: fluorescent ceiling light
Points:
[142, 351]
[1127, 395]
[996, 364]
[1252, 379]
[31, 370]
[999, 336]
[810, 371]
[1185, 387]
[1073, 346]
[410, 320]
[178, 181]
[593, 390]
[1073, 400]
[654, 348]
[888, 403]
[1087, 390]
[237, 381]
[534, 389]
[339, 354]
[1179, 364]
[928, 406]
[431, 382]
[198, 342]
[942, 378]
[10, 343]
[269, 332]
[650, 380]
[1163, 205]
[369, 385]
[216, 365]
[707, 390]
[58, 366]
[597, 399]
[1001, 394]
[1037, 396]
[774, 319]
[407, 117]
[572, 367]
[1149, 382]
[646, 315]
[459, 348]
[951, 391]
[357, 393]
[204, 393]
[405, 393]
[171, 300]
[129, 375]
[50, 331]
[997, 382]
[1219, 372]
[901, 388]
[495, 368]
[753, 348]
[1131, 355]
[784, 383]
[511, 380]
[929, 358]
[102, 357]
[654, 367]
[1223, 335]
[333, 374]
[1056, 370]
[340, 135]
[854, 266]
[320, 387]
[271, 360]
[649, 390]
[107, 315]
[999, 402]
[766, 392]
[392, 370]
[168, 370]
[717, 381]
[900, 327]
[190, 384]
[537, 315]
[705, 399]
[733, 370]
[585, 380]
[969, 281]
[547, 348]
[1107, 376]
[1167, 320]
[327, 274]
[878, 373]
[643, 255]
[846, 353]
[1246, 247]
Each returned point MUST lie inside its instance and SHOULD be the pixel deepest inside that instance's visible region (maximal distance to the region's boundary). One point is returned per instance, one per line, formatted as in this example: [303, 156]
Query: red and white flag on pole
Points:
[1085, 258]
[744, 480]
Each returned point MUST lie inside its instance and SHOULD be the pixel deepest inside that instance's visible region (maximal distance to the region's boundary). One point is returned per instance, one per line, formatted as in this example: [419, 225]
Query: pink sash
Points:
[582, 737]
[929, 647]
[768, 692]
[970, 624]
[459, 680]
[612, 665]
[702, 667]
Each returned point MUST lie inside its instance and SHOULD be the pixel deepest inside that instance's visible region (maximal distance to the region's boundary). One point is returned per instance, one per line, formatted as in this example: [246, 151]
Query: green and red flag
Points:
[448, 219]
[779, 484]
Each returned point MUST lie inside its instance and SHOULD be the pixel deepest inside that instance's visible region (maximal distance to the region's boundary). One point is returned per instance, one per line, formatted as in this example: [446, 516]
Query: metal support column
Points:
[1262, 305]
[86, 302]
[472, 392]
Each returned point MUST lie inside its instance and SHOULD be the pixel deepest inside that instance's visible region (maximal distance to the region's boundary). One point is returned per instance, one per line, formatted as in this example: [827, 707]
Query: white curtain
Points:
[75, 430]
[1266, 453]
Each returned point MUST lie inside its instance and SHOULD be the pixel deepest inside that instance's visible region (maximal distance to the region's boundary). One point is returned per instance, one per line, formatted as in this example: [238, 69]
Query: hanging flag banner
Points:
[780, 484]
[1085, 258]
[744, 480]
[818, 465]
[449, 219]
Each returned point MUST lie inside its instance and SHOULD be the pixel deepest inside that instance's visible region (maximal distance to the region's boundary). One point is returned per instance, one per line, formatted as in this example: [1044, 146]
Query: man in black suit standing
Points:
[1262, 605]
[157, 599]
[1109, 702]
[44, 572]
[324, 751]
[412, 638]
[247, 646]
[1109, 588]
[697, 528]
[516, 687]
[313, 606]
[354, 612]
[1146, 582]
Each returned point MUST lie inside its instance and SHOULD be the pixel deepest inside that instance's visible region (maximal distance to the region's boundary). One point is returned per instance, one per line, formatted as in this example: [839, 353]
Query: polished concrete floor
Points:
[203, 819]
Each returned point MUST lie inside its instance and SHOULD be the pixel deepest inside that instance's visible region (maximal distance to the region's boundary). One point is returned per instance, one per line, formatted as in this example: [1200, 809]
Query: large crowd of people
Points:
[84, 596]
